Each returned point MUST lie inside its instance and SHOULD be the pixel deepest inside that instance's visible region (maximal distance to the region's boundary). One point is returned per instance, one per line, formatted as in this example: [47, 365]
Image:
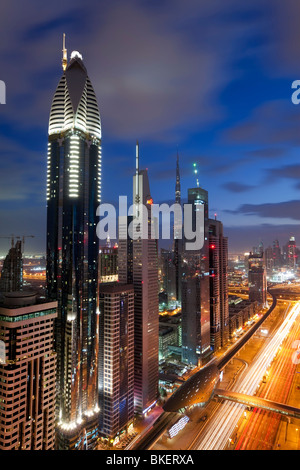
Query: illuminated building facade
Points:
[138, 263]
[73, 195]
[218, 276]
[27, 373]
[116, 358]
[146, 307]
[108, 264]
[196, 290]
[291, 253]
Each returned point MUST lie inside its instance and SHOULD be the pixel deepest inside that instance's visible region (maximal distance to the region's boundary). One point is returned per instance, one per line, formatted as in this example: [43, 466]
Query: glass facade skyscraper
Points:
[195, 289]
[73, 195]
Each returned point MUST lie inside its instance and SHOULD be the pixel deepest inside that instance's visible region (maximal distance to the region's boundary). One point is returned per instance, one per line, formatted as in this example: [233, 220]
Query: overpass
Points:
[199, 388]
[258, 402]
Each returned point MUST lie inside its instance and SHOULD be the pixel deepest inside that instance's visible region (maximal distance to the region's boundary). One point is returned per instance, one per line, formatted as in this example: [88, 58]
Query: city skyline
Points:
[150, 291]
[174, 88]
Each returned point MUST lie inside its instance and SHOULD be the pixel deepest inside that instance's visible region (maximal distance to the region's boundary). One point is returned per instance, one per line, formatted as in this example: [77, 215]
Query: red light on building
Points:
[150, 201]
[212, 246]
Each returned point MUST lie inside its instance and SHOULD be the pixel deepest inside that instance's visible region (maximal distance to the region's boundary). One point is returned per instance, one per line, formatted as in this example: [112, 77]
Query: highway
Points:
[226, 426]
[221, 429]
[260, 429]
[146, 441]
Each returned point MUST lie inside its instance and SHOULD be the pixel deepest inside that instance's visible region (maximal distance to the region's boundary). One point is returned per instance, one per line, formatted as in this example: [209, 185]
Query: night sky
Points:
[210, 78]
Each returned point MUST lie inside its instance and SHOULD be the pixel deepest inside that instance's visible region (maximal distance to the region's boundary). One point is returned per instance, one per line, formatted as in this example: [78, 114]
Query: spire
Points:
[65, 57]
[137, 172]
[177, 186]
[137, 158]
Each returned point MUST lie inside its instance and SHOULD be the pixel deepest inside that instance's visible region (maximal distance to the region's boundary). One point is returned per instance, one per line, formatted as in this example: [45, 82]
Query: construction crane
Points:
[12, 238]
[23, 240]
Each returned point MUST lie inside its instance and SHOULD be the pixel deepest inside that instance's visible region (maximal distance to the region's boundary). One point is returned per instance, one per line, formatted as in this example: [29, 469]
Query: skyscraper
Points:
[146, 308]
[277, 254]
[141, 257]
[108, 264]
[11, 279]
[257, 278]
[168, 269]
[218, 272]
[125, 251]
[291, 253]
[73, 194]
[177, 238]
[195, 289]
[116, 358]
[27, 373]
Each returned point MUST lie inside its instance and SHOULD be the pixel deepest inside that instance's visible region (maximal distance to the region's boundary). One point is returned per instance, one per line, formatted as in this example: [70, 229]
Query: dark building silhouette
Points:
[168, 268]
[177, 239]
[257, 279]
[11, 279]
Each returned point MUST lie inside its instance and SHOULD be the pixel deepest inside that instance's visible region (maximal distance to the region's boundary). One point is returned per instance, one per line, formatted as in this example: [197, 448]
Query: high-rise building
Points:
[141, 257]
[291, 253]
[116, 358]
[269, 257]
[11, 279]
[277, 258]
[177, 239]
[27, 373]
[218, 276]
[125, 251]
[196, 289]
[73, 195]
[108, 264]
[257, 278]
[168, 275]
[146, 308]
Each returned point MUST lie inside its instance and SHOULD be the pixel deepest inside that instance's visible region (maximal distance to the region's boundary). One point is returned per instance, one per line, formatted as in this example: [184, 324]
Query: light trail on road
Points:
[262, 426]
[221, 428]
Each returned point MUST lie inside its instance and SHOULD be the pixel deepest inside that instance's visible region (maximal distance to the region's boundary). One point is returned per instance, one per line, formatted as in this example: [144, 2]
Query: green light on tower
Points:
[196, 172]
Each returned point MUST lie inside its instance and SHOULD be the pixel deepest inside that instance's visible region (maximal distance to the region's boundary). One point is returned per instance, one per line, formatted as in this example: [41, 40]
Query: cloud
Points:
[235, 187]
[273, 123]
[278, 210]
[268, 153]
[23, 175]
[285, 171]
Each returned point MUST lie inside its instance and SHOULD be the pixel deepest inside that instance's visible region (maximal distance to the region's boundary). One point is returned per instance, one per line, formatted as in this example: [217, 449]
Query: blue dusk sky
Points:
[209, 78]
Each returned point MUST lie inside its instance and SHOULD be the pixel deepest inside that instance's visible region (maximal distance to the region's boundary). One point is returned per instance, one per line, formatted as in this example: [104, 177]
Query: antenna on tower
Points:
[196, 172]
[137, 173]
[65, 57]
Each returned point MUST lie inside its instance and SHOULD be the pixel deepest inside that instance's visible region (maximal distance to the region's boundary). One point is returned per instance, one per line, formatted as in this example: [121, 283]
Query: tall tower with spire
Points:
[73, 195]
[177, 239]
[138, 264]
